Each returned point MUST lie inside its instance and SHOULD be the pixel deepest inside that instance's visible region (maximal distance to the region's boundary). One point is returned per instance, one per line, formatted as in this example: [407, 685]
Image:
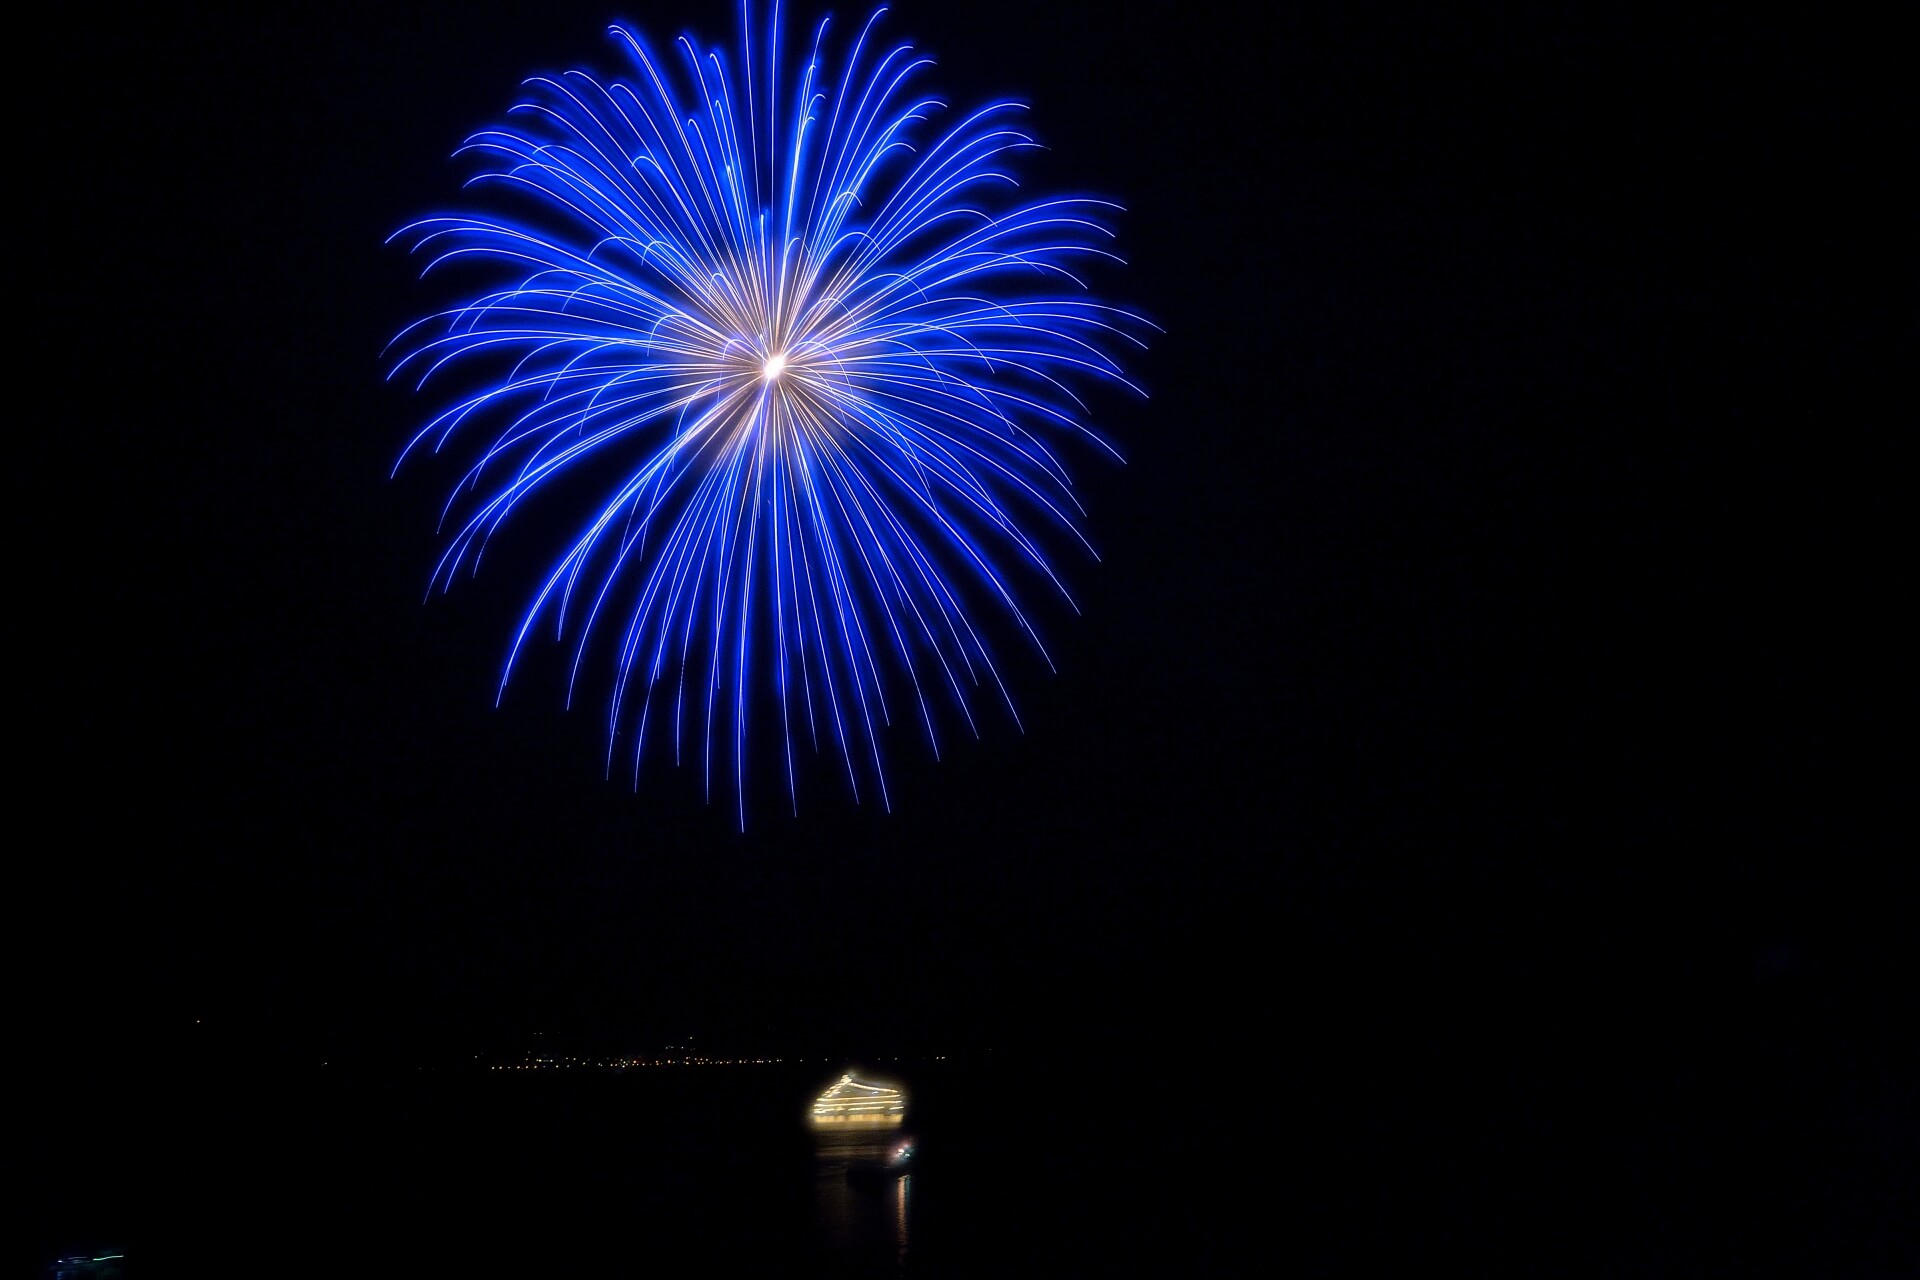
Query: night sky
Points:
[1486, 694]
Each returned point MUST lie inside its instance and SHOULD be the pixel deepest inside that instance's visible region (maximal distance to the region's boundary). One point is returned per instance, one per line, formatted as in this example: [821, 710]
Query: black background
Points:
[1480, 735]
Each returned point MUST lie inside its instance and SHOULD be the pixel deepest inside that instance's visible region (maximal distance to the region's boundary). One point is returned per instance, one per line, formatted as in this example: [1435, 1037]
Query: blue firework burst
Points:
[817, 348]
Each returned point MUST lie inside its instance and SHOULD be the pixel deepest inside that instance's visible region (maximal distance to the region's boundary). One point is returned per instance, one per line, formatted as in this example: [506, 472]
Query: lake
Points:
[561, 1173]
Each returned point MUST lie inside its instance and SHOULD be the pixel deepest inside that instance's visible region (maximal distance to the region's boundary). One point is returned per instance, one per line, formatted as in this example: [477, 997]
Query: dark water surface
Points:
[1155, 1164]
[604, 1174]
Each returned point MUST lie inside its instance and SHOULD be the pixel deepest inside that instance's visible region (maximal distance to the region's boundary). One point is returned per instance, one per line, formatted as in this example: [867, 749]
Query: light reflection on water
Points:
[865, 1220]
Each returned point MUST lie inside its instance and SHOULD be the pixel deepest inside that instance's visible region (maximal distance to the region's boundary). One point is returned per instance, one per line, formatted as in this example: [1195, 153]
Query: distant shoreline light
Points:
[627, 1064]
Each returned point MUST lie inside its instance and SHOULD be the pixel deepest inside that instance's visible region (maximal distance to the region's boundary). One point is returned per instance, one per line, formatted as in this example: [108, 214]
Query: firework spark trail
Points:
[818, 348]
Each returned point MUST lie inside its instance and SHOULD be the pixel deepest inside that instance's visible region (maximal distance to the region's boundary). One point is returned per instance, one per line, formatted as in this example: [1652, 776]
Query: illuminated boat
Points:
[855, 1104]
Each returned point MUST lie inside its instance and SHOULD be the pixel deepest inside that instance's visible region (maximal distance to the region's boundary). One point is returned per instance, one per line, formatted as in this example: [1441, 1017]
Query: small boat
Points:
[877, 1173]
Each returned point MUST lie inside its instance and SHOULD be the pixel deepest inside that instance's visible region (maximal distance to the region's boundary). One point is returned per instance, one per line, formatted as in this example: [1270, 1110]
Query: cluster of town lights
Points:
[624, 1064]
